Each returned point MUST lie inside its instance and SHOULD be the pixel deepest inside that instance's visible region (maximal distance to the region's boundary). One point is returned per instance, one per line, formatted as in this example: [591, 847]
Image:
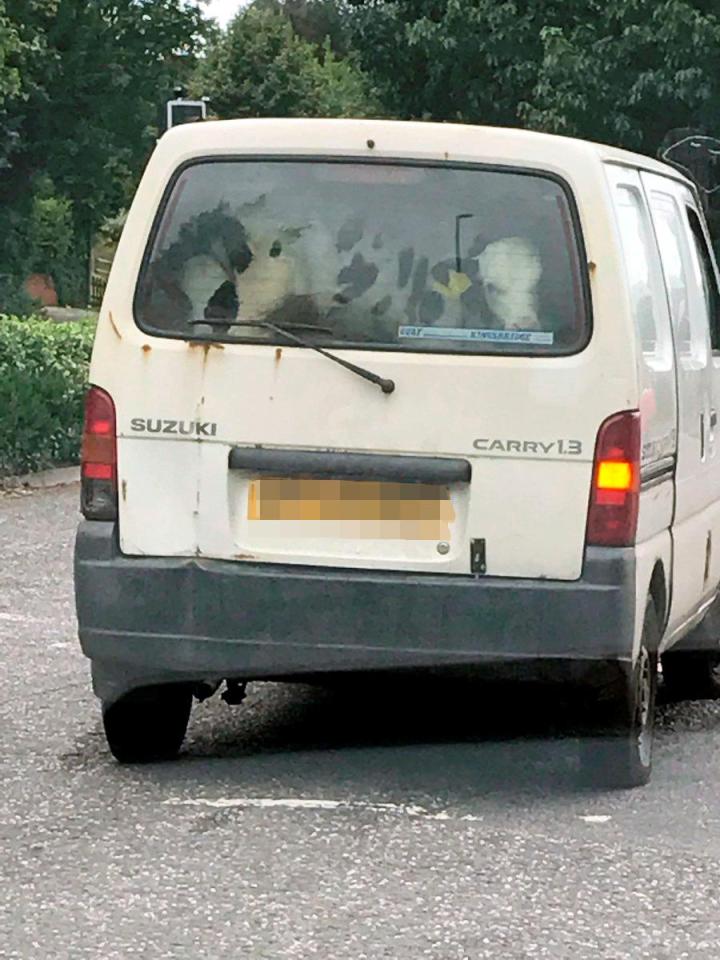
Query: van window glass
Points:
[379, 256]
[643, 274]
[706, 276]
[691, 333]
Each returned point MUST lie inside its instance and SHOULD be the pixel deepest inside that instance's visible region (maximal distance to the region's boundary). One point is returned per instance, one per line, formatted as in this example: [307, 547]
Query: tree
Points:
[629, 73]
[10, 82]
[463, 60]
[316, 21]
[92, 74]
[342, 90]
[624, 71]
[261, 68]
[95, 87]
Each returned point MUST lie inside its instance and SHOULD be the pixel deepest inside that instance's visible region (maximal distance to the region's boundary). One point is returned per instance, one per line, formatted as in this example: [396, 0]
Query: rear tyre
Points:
[148, 725]
[692, 676]
[618, 753]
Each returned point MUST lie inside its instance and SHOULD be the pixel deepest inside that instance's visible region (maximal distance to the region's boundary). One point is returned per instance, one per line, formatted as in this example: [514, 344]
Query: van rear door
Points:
[696, 483]
[466, 286]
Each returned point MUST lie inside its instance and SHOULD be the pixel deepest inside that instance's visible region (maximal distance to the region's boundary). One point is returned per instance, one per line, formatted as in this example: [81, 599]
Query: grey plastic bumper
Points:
[150, 620]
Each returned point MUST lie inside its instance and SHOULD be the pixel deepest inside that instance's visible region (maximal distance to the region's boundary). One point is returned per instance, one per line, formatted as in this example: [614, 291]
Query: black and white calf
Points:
[356, 281]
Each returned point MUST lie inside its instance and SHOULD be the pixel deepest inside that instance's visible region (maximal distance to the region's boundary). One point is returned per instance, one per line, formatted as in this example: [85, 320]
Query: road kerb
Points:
[43, 479]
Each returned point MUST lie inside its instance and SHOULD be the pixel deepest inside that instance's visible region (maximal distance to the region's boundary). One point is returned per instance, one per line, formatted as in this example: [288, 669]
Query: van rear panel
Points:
[462, 284]
[524, 495]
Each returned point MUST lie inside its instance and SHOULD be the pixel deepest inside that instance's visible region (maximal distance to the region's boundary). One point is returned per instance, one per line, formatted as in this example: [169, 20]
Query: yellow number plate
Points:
[415, 511]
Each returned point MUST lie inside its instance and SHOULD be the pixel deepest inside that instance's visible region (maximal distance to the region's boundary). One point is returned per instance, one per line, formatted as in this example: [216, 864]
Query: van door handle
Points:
[713, 419]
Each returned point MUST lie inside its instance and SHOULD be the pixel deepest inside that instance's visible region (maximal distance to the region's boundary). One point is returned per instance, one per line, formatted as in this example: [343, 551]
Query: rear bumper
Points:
[150, 620]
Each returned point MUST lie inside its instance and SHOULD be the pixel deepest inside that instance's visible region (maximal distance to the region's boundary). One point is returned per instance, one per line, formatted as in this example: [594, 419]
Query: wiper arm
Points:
[387, 386]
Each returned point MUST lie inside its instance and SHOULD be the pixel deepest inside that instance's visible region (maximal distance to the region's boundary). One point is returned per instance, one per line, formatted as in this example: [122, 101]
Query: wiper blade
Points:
[387, 386]
[217, 322]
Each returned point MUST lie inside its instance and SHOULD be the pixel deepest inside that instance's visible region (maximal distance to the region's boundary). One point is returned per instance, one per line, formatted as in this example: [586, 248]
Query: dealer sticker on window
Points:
[539, 338]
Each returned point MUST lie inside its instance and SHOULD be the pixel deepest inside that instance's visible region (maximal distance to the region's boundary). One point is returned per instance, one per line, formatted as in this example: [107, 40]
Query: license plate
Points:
[355, 508]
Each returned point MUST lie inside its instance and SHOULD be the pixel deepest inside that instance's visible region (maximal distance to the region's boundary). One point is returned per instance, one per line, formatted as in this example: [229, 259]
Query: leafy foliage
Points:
[43, 377]
[317, 21]
[81, 83]
[342, 90]
[261, 68]
[624, 71]
[10, 81]
[112, 227]
[451, 59]
[629, 71]
[51, 229]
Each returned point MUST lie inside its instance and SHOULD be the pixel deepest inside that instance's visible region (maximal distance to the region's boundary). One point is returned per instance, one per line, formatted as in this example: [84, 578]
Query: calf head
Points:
[510, 270]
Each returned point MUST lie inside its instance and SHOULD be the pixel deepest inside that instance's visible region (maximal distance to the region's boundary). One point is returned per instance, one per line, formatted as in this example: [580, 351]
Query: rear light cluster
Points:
[98, 470]
[615, 495]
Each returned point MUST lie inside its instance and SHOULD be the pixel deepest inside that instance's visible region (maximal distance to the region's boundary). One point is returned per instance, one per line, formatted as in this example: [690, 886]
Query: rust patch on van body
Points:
[592, 267]
[114, 325]
[278, 355]
[146, 348]
[204, 345]
[123, 490]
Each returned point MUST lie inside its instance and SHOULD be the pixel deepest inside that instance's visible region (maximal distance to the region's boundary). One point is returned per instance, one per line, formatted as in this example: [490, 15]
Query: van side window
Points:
[643, 274]
[707, 277]
[691, 332]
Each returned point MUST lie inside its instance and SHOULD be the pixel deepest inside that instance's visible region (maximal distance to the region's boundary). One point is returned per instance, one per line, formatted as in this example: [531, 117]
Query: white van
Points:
[371, 396]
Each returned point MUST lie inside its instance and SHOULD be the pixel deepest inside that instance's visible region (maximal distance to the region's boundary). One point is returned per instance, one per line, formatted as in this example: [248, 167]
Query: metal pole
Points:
[458, 218]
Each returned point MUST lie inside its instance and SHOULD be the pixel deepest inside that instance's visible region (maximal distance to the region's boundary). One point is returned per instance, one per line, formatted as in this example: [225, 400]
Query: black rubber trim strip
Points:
[349, 466]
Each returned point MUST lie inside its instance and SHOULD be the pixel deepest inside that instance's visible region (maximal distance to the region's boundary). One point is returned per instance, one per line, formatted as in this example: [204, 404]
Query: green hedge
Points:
[43, 378]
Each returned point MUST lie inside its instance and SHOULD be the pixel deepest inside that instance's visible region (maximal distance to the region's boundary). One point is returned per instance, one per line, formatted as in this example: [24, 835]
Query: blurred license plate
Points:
[359, 508]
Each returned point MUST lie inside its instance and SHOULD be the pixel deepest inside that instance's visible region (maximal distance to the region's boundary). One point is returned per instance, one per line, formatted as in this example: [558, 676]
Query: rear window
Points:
[366, 255]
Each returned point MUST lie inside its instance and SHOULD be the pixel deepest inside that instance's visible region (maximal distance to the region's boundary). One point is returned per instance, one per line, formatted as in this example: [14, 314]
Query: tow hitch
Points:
[234, 692]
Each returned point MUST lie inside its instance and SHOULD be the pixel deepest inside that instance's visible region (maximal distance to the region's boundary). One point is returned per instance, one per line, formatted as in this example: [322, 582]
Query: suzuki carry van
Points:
[375, 396]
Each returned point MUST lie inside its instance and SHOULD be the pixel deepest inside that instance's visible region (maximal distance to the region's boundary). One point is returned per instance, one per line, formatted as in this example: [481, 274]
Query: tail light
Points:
[98, 470]
[615, 495]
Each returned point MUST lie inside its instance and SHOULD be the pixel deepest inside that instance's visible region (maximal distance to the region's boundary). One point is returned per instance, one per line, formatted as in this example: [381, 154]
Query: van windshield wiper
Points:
[217, 322]
[387, 386]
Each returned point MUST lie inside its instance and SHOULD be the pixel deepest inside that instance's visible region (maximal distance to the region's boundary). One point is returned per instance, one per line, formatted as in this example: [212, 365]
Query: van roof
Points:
[440, 141]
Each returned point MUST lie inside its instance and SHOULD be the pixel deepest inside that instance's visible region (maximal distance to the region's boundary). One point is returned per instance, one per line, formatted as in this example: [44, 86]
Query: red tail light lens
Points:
[615, 495]
[99, 457]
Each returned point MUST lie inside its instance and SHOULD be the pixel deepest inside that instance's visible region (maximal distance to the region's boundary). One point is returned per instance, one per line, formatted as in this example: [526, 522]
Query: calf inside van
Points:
[346, 249]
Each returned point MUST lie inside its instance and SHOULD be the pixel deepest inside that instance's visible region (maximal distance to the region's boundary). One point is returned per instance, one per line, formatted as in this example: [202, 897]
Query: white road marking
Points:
[297, 803]
[596, 818]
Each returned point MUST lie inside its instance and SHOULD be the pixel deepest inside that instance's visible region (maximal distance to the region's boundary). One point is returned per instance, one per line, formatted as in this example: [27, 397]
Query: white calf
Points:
[510, 271]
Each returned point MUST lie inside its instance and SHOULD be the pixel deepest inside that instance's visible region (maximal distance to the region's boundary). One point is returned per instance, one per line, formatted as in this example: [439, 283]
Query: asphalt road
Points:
[447, 823]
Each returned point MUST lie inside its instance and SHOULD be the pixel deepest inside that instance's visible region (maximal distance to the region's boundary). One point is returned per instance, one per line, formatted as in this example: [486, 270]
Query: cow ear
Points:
[441, 272]
[253, 206]
[478, 245]
[290, 234]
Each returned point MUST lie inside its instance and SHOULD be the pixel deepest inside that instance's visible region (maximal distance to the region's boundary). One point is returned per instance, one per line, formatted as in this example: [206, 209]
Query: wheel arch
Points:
[659, 593]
